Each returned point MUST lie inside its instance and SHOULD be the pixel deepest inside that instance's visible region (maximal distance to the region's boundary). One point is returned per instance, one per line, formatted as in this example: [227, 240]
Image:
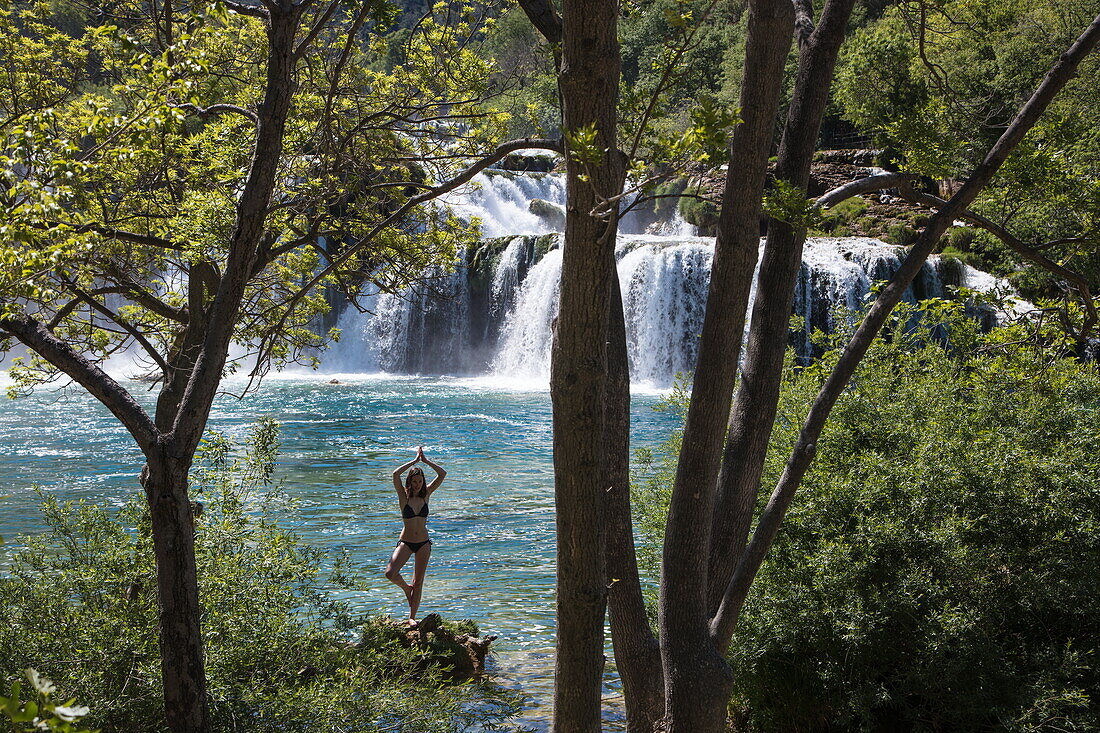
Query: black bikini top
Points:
[408, 513]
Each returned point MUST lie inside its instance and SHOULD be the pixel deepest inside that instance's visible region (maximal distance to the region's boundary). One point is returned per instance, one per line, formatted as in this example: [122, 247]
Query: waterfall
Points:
[502, 202]
[664, 288]
[493, 312]
[423, 329]
[526, 337]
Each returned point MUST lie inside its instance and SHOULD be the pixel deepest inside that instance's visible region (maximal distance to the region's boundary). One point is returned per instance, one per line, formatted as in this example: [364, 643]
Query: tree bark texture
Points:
[697, 679]
[637, 652]
[754, 407]
[588, 81]
[164, 479]
[806, 446]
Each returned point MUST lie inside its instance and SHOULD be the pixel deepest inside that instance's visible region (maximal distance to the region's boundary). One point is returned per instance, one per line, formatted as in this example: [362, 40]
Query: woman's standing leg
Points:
[421, 568]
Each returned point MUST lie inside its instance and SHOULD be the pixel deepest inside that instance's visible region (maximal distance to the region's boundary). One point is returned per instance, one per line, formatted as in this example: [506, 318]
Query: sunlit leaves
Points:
[788, 203]
[126, 184]
[40, 713]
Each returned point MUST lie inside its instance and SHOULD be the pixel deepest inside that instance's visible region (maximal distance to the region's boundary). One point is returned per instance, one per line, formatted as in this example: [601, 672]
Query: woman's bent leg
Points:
[393, 568]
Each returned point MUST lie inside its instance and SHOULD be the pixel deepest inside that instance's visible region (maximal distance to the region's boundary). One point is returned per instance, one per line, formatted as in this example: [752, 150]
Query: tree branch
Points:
[876, 182]
[544, 17]
[216, 109]
[122, 235]
[147, 300]
[121, 323]
[318, 27]
[803, 20]
[1017, 245]
[88, 375]
[246, 8]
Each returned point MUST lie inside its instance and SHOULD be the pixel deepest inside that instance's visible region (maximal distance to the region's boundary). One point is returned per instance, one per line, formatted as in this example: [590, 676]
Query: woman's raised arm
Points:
[439, 472]
[400, 470]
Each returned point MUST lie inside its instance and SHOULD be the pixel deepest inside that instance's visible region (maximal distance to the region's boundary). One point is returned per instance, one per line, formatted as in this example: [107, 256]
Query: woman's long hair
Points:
[423, 481]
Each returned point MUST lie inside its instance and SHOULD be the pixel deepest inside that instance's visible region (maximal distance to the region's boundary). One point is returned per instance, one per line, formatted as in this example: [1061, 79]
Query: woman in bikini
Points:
[413, 495]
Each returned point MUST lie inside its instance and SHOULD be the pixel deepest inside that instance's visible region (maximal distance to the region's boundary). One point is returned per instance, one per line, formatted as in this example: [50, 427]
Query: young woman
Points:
[413, 495]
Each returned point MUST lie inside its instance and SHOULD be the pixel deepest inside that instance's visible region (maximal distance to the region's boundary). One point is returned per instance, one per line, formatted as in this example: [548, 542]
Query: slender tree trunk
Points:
[697, 679]
[754, 409]
[806, 446]
[165, 482]
[589, 85]
[637, 653]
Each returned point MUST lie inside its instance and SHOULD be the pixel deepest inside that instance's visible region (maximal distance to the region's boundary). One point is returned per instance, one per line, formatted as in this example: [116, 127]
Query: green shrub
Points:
[79, 604]
[836, 218]
[869, 226]
[702, 214]
[902, 234]
[939, 569]
[960, 238]
[966, 258]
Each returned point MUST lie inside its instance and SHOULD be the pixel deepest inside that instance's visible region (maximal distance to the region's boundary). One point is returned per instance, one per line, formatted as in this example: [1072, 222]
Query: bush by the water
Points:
[284, 652]
[939, 569]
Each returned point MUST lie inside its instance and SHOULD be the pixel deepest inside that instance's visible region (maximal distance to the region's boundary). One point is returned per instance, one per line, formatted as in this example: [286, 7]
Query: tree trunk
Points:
[806, 447]
[589, 85]
[165, 482]
[637, 653]
[754, 409]
[697, 679]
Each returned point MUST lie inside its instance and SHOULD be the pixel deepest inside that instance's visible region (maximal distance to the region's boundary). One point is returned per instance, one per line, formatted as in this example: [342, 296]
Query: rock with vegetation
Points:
[551, 214]
[455, 648]
[529, 163]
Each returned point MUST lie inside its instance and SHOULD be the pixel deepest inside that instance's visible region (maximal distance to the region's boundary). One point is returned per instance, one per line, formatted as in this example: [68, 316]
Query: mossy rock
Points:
[702, 214]
[663, 203]
[552, 214]
[529, 163]
[454, 647]
[543, 244]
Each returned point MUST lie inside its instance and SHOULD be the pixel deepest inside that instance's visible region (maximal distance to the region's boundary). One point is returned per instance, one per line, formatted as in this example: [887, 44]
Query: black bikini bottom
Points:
[414, 546]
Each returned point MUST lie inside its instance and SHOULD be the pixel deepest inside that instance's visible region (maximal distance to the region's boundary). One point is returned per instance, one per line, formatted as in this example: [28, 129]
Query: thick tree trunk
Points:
[697, 679]
[589, 85]
[165, 482]
[754, 408]
[637, 653]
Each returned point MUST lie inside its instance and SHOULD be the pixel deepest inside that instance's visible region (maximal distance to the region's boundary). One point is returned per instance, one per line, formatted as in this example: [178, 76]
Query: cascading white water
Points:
[495, 311]
[422, 329]
[501, 201]
[507, 277]
[664, 286]
[525, 340]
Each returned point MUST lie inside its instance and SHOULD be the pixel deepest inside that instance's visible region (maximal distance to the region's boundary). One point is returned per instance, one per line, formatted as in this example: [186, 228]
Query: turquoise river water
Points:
[492, 522]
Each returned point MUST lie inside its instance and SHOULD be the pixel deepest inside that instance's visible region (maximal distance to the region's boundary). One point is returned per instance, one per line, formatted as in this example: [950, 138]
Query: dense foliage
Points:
[934, 84]
[126, 141]
[285, 650]
[940, 566]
